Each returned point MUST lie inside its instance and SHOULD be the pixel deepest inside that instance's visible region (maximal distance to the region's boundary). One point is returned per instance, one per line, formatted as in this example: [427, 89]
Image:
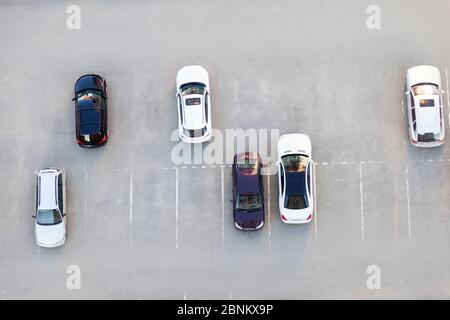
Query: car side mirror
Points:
[34, 216]
[407, 92]
[74, 98]
[443, 91]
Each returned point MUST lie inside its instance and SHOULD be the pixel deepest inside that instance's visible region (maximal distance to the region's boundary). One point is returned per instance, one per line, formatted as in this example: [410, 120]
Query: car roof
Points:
[48, 189]
[194, 117]
[428, 118]
[89, 114]
[247, 183]
[295, 183]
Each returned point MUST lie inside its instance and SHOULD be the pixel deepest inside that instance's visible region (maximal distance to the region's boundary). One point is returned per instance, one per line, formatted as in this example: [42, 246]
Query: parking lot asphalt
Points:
[142, 227]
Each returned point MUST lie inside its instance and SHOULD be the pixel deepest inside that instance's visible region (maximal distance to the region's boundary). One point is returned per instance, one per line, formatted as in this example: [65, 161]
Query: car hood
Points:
[189, 74]
[422, 74]
[88, 82]
[294, 143]
[50, 235]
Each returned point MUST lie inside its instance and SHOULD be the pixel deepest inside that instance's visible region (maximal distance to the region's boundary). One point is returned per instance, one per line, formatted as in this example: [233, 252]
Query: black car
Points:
[91, 111]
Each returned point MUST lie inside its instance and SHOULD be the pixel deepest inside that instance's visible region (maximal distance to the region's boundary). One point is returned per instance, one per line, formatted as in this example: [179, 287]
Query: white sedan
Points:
[295, 179]
[424, 106]
[50, 217]
[194, 104]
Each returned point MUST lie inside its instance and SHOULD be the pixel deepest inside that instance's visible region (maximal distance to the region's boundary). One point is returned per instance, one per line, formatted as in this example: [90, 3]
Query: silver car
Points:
[50, 217]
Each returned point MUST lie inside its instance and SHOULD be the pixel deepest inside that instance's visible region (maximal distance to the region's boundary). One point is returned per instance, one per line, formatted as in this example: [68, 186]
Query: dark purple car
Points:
[248, 192]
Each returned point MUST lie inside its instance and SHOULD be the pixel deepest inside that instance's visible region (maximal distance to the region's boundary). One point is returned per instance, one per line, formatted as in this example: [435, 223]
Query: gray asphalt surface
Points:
[141, 228]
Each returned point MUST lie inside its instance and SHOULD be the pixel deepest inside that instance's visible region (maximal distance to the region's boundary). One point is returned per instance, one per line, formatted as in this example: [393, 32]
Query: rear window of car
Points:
[296, 202]
[426, 102]
[193, 101]
[197, 133]
[249, 202]
[428, 137]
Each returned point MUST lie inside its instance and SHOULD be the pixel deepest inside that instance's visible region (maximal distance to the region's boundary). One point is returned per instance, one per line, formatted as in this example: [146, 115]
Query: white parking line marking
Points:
[361, 198]
[447, 93]
[269, 213]
[184, 296]
[408, 205]
[229, 294]
[324, 163]
[131, 209]
[176, 208]
[315, 205]
[85, 208]
[223, 207]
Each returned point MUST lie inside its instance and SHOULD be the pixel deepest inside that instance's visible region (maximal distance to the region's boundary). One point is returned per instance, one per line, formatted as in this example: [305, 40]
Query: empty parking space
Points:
[199, 213]
[429, 195]
[385, 203]
[340, 212]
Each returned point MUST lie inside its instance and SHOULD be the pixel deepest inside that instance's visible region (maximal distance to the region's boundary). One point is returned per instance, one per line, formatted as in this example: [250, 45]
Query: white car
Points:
[424, 106]
[295, 178]
[50, 217]
[194, 104]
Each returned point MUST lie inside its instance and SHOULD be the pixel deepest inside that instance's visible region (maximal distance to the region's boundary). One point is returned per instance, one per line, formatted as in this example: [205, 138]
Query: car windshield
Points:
[192, 88]
[90, 95]
[295, 162]
[425, 89]
[248, 202]
[48, 217]
[296, 202]
[246, 163]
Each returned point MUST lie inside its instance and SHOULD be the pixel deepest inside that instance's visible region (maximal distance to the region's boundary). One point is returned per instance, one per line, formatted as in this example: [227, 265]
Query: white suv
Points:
[424, 105]
[50, 218]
